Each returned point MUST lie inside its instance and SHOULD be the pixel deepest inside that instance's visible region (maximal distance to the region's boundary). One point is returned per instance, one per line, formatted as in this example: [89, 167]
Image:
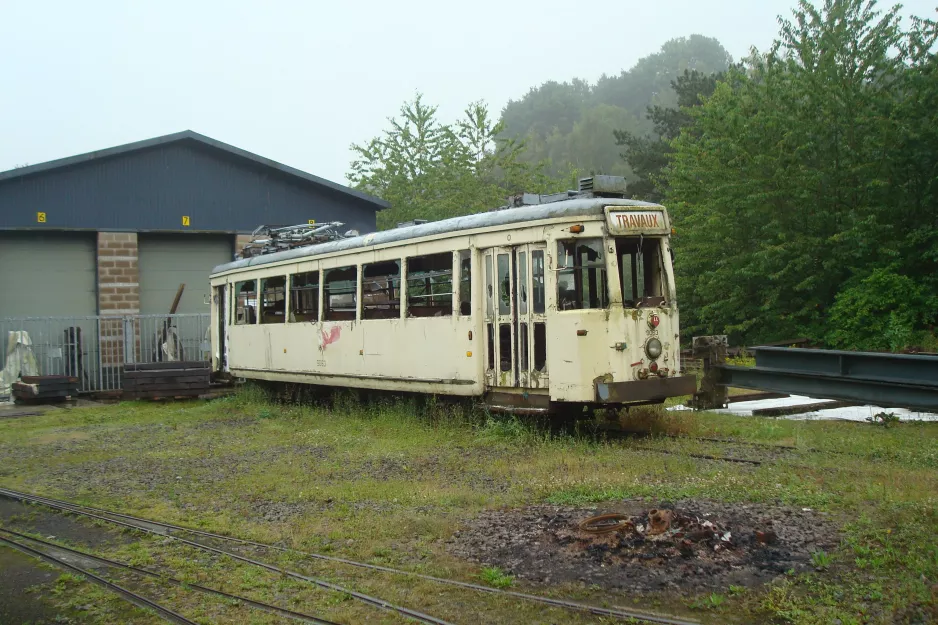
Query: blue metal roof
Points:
[188, 135]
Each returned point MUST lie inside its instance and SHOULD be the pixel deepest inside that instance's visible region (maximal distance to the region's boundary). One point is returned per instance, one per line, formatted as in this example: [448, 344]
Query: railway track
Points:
[625, 435]
[48, 549]
[129, 595]
[160, 528]
[620, 434]
[767, 447]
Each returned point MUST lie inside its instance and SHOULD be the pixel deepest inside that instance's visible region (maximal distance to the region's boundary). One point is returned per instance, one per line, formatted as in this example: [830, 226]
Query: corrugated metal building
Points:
[116, 231]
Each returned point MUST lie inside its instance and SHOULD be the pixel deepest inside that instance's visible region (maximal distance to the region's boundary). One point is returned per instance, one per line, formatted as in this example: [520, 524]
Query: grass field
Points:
[389, 483]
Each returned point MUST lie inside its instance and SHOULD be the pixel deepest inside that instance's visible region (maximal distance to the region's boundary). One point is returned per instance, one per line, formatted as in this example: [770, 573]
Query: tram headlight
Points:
[653, 348]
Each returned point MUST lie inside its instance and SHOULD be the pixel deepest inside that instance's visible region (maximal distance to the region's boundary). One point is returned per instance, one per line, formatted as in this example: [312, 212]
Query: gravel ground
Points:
[136, 474]
[435, 468]
[708, 546]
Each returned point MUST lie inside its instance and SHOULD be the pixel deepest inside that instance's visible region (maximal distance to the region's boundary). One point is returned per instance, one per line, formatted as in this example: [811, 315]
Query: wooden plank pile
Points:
[43, 389]
[166, 380]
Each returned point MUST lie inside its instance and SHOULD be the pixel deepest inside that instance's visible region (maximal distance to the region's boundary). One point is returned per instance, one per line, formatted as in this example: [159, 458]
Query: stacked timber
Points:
[166, 380]
[42, 389]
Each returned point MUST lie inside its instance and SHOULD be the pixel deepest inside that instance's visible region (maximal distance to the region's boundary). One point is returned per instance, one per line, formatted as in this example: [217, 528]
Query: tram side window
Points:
[465, 282]
[537, 275]
[245, 302]
[381, 290]
[430, 285]
[504, 285]
[340, 291]
[640, 271]
[489, 289]
[273, 299]
[581, 278]
[304, 296]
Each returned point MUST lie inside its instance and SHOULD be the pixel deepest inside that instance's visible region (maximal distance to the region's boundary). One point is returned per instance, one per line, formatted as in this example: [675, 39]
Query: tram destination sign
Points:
[619, 221]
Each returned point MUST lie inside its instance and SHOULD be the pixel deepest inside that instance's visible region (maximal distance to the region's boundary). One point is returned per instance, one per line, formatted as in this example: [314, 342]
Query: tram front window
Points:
[641, 273]
[581, 277]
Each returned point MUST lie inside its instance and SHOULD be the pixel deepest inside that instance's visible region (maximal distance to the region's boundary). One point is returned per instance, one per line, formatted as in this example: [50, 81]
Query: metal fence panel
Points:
[95, 348]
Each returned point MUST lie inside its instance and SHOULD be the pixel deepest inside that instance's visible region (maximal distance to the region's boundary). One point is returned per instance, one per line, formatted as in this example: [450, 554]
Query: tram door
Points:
[515, 321]
[221, 327]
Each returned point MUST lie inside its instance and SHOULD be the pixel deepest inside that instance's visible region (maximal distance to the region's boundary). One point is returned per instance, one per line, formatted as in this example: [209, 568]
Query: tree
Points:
[557, 120]
[552, 106]
[647, 155]
[796, 180]
[648, 82]
[430, 170]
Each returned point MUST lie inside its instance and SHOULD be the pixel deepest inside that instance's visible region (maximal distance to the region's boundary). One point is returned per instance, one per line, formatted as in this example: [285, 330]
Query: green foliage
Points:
[572, 123]
[708, 602]
[648, 155]
[821, 559]
[804, 175]
[511, 429]
[647, 83]
[880, 312]
[495, 577]
[430, 170]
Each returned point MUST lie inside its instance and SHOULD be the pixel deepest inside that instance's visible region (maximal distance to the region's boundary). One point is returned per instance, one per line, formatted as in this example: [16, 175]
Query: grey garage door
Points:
[47, 274]
[166, 261]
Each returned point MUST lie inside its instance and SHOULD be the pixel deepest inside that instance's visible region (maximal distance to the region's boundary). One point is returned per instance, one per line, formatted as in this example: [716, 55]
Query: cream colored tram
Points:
[538, 308]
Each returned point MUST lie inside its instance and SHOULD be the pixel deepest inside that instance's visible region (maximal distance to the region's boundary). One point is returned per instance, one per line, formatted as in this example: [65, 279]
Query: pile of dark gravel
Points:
[707, 547]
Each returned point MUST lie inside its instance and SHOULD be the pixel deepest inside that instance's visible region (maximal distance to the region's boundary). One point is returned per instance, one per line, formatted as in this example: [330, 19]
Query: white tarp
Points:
[20, 361]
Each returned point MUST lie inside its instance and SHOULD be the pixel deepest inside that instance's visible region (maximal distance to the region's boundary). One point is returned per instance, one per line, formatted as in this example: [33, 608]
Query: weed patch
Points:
[495, 577]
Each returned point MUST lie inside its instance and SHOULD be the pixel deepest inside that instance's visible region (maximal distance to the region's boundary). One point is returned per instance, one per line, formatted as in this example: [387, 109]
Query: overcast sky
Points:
[298, 81]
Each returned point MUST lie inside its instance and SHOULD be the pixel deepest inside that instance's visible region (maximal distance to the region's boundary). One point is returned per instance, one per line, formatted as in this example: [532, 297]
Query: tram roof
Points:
[577, 207]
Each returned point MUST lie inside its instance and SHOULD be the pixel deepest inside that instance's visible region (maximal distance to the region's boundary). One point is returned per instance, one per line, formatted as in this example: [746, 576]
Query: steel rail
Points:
[560, 603]
[730, 441]
[671, 452]
[367, 599]
[621, 433]
[176, 582]
[138, 600]
[701, 456]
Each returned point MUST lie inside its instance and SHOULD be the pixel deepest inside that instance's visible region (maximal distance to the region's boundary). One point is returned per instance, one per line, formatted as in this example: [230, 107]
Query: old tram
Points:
[554, 302]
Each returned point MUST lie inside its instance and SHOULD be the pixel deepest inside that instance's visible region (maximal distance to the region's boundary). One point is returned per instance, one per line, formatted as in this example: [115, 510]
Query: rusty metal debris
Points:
[605, 523]
[664, 524]
[767, 537]
[659, 521]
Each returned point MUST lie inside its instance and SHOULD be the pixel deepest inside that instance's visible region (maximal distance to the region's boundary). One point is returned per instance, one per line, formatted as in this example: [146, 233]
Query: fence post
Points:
[129, 340]
[711, 351]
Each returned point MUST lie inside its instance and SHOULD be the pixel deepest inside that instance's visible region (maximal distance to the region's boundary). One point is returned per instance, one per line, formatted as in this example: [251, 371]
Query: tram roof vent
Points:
[412, 222]
[534, 199]
[604, 186]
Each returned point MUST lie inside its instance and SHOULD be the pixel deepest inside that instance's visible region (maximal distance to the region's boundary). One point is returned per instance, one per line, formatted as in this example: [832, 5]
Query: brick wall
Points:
[118, 274]
[118, 289]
